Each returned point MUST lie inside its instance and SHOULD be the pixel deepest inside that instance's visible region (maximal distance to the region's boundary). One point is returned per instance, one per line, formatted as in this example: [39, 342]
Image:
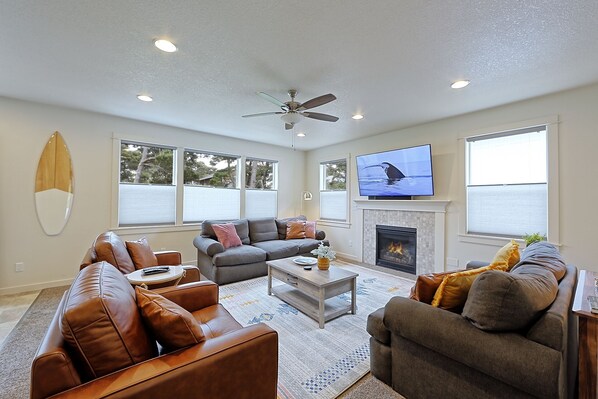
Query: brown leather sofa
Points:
[109, 247]
[115, 356]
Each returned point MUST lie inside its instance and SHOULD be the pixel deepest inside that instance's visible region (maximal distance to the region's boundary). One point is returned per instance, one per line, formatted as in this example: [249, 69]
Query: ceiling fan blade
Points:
[321, 117]
[262, 114]
[273, 100]
[316, 102]
[288, 126]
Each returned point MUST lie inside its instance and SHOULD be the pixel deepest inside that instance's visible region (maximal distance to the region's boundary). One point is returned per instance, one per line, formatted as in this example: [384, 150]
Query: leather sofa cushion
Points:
[281, 225]
[500, 301]
[545, 255]
[141, 253]
[110, 248]
[101, 323]
[262, 229]
[277, 249]
[241, 226]
[239, 256]
[216, 321]
[426, 285]
[173, 326]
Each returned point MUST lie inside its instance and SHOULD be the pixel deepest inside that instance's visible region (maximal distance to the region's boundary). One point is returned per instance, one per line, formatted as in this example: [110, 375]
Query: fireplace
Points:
[396, 248]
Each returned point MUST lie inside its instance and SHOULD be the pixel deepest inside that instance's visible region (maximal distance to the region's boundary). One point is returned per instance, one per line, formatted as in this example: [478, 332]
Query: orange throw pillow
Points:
[173, 326]
[227, 235]
[141, 253]
[426, 285]
[295, 230]
[452, 292]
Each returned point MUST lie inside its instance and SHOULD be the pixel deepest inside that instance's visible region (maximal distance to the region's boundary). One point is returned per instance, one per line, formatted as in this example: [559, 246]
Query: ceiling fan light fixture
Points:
[165, 45]
[144, 98]
[291, 118]
[357, 117]
[459, 84]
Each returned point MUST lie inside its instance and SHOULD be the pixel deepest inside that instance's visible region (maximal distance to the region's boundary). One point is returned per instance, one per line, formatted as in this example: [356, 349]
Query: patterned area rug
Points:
[314, 362]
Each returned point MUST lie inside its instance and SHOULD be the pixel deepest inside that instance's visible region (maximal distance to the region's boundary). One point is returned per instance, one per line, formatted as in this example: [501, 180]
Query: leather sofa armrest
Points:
[88, 259]
[168, 258]
[192, 296]
[208, 245]
[320, 234]
[451, 335]
[249, 357]
[192, 274]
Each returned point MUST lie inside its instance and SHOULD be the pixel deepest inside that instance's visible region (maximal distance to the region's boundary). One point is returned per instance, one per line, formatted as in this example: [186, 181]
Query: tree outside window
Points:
[210, 170]
[259, 174]
[144, 164]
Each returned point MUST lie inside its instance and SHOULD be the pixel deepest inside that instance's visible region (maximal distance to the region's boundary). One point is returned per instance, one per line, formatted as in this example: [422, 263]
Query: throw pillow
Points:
[227, 235]
[510, 301]
[295, 229]
[452, 292]
[141, 253]
[509, 254]
[173, 326]
[310, 230]
[426, 285]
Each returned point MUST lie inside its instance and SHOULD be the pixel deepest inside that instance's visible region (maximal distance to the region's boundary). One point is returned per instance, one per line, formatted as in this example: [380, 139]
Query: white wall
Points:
[24, 129]
[577, 111]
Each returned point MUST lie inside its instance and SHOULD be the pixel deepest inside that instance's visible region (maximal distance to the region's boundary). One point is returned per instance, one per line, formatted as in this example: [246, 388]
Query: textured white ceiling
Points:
[391, 60]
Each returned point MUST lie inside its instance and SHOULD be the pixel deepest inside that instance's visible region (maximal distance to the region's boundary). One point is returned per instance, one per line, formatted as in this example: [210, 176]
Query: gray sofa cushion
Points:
[306, 244]
[239, 256]
[263, 229]
[281, 225]
[277, 249]
[240, 225]
[499, 301]
[545, 255]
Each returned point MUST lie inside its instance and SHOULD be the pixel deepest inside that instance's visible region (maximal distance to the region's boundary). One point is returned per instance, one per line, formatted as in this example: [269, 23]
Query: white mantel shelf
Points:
[436, 206]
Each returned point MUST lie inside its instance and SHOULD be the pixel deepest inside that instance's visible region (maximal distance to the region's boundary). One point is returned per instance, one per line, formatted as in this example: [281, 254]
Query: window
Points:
[507, 183]
[210, 190]
[333, 190]
[261, 197]
[147, 193]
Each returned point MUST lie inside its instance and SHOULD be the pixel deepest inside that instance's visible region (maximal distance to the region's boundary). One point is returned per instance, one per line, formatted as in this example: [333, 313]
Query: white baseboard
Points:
[190, 263]
[347, 256]
[34, 287]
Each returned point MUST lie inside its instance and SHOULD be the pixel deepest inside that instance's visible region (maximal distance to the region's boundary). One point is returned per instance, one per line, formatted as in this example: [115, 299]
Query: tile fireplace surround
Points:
[427, 216]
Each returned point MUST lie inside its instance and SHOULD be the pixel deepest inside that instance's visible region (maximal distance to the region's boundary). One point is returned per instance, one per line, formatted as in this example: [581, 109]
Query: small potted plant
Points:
[532, 238]
[325, 255]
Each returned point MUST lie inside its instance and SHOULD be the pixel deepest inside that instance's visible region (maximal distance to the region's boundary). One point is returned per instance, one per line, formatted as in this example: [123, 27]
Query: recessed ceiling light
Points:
[357, 117]
[165, 45]
[145, 98]
[300, 134]
[459, 84]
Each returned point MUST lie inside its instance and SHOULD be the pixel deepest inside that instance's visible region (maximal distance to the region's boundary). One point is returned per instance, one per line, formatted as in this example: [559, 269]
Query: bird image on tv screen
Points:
[398, 173]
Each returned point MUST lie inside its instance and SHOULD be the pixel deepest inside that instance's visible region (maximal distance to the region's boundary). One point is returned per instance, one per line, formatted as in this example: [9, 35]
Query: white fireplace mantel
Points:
[403, 205]
[437, 207]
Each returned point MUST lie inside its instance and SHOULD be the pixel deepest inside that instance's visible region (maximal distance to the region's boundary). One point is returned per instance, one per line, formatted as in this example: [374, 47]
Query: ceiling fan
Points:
[292, 111]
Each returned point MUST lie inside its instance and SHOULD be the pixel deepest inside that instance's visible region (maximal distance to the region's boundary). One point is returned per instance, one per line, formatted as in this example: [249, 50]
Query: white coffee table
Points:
[174, 274]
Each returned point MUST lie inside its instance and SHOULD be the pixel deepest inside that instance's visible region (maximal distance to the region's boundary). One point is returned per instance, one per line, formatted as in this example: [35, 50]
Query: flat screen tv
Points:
[404, 172]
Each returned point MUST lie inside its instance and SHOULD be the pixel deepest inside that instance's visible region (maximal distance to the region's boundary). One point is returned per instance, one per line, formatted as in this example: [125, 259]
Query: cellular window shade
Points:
[141, 204]
[261, 203]
[333, 205]
[201, 203]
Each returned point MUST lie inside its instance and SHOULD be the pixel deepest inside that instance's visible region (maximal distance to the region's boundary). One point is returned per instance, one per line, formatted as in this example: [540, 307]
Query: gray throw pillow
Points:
[499, 301]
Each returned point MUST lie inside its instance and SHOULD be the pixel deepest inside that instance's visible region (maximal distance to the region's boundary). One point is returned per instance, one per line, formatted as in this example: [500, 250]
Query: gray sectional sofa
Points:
[502, 345]
[263, 239]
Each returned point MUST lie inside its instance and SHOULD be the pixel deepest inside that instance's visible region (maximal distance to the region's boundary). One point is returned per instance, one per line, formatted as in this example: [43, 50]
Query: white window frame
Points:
[245, 189]
[553, 234]
[322, 188]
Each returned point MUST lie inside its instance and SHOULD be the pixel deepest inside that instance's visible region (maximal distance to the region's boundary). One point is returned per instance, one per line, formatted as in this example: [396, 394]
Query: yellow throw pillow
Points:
[452, 292]
[509, 254]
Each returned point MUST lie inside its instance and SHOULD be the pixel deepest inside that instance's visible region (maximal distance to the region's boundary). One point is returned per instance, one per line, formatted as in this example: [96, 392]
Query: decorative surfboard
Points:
[54, 186]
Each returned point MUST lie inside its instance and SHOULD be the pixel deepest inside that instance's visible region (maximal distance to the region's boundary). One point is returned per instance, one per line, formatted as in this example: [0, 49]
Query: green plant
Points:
[324, 252]
[532, 238]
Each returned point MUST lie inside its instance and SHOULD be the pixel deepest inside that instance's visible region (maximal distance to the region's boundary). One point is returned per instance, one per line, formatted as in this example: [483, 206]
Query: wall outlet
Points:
[452, 262]
[350, 243]
[19, 267]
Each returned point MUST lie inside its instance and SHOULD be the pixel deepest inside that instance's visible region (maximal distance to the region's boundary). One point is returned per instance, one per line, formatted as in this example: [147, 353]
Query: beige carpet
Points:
[370, 388]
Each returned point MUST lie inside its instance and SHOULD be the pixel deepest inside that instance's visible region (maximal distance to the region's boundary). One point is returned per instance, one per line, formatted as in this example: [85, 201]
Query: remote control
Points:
[593, 303]
[155, 270]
